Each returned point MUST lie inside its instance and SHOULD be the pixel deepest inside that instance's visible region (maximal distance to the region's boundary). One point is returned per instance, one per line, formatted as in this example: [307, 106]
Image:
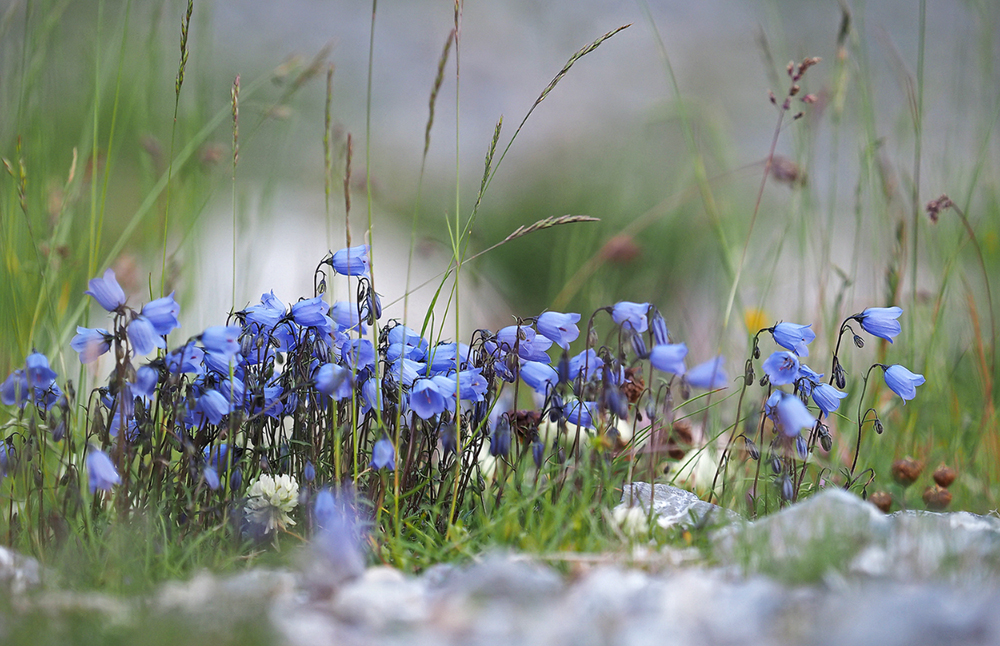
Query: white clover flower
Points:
[632, 520]
[271, 499]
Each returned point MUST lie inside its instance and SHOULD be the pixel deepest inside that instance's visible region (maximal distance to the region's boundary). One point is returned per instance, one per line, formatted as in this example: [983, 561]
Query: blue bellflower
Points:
[560, 328]
[881, 321]
[709, 375]
[793, 415]
[902, 382]
[101, 471]
[794, 337]
[781, 368]
[669, 358]
[383, 455]
[107, 292]
[90, 344]
[827, 397]
[352, 261]
[631, 315]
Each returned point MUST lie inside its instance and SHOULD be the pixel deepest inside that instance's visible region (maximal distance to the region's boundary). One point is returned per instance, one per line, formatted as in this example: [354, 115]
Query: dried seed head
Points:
[944, 476]
[937, 498]
[882, 500]
[906, 471]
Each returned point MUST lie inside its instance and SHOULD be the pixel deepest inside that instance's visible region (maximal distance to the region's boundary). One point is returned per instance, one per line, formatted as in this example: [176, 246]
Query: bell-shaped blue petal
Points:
[91, 343]
[352, 261]
[559, 328]
[827, 397]
[426, 400]
[709, 375]
[631, 315]
[383, 455]
[107, 292]
[794, 337]
[540, 376]
[902, 382]
[101, 471]
[781, 368]
[793, 415]
[881, 321]
[669, 358]
[222, 340]
[143, 336]
[162, 313]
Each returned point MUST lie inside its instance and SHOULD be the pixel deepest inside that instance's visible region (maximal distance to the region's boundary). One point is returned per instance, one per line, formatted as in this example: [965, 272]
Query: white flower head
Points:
[271, 498]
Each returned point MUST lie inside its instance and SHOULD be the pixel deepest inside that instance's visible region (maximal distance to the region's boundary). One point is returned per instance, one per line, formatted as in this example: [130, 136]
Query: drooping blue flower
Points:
[383, 455]
[15, 389]
[827, 397]
[406, 371]
[560, 328]
[222, 340]
[162, 313]
[658, 326]
[338, 540]
[540, 376]
[333, 380]
[445, 357]
[188, 358]
[312, 313]
[309, 471]
[352, 261]
[426, 399]
[91, 343]
[881, 321]
[530, 346]
[794, 337]
[500, 438]
[709, 375]
[213, 405]
[580, 413]
[537, 452]
[472, 385]
[793, 415]
[902, 382]
[101, 471]
[346, 316]
[143, 336]
[107, 292]
[446, 385]
[781, 368]
[358, 354]
[669, 358]
[145, 381]
[631, 315]
[587, 363]
[36, 367]
[211, 478]
[771, 406]
[267, 313]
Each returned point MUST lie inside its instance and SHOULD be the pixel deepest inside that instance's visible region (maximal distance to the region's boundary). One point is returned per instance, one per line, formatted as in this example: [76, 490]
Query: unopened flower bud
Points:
[858, 341]
[882, 500]
[944, 476]
[906, 471]
[937, 498]
[751, 448]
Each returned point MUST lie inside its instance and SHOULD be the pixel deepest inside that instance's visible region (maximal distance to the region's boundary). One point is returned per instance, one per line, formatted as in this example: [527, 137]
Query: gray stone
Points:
[20, 573]
[672, 506]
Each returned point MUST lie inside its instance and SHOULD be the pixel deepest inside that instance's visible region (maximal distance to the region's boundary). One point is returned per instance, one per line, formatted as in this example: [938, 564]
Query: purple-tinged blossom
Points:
[540, 376]
[91, 343]
[580, 413]
[807, 379]
[312, 312]
[631, 315]
[426, 399]
[107, 292]
[211, 478]
[443, 356]
[794, 337]
[881, 321]
[709, 375]
[560, 328]
[383, 455]
[658, 326]
[352, 261]
[500, 438]
[358, 354]
[145, 381]
[781, 368]
[222, 340]
[902, 382]
[346, 316]
[472, 385]
[36, 367]
[162, 313]
[669, 358]
[143, 336]
[101, 471]
[827, 397]
[213, 405]
[793, 415]
[15, 389]
[334, 381]
[187, 358]
[588, 363]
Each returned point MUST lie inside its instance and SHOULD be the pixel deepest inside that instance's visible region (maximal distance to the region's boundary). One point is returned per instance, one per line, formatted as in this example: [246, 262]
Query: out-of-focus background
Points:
[670, 164]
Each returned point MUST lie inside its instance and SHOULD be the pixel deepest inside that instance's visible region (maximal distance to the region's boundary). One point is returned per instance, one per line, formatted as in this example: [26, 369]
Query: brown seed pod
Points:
[937, 498]
[882, 500]
[944, 476]
[906, 471]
